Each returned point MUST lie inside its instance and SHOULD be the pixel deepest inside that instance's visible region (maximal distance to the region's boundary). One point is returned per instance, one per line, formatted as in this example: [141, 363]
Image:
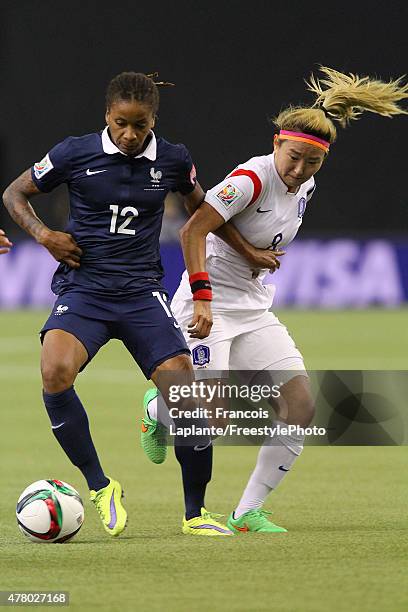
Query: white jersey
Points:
[266, 214]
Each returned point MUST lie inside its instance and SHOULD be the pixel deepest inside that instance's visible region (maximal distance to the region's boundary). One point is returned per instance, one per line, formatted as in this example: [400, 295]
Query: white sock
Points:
[152, 408]
[275, 458]
[159, 413]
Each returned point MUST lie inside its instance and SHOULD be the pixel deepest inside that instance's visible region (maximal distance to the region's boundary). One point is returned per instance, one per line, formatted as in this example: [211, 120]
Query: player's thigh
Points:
[268, 346]
[268, 356]
[69, 342]
[152, 335]
[62, 356]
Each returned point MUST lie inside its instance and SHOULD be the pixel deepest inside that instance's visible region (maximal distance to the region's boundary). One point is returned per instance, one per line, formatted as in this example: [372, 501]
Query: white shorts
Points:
[240, 340]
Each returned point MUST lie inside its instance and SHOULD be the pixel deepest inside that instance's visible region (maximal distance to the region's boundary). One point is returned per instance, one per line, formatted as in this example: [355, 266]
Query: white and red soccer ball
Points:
[49, 511]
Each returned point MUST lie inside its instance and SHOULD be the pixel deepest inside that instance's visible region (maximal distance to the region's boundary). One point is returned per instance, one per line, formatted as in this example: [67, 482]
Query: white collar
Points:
[110, 148]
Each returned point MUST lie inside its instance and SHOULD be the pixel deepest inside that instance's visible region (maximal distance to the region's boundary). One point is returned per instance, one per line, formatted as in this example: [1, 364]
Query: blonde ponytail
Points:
[346, 96]
[342, 97]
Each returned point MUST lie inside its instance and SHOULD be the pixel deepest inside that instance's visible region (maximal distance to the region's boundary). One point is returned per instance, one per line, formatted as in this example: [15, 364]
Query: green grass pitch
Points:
[345, 508]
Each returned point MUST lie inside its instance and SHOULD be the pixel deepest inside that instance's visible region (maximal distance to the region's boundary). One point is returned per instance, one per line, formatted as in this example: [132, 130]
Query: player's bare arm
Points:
[194, 199]
[257, 258]
[193, 234]
[15, 199]
[61, 245]
[5, 244]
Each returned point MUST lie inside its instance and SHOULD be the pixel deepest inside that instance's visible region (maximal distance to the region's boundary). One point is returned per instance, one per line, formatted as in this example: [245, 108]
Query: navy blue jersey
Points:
[116, 208]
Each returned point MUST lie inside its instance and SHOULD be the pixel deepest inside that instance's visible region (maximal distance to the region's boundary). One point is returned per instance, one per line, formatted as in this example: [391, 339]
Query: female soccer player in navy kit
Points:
[109, 280]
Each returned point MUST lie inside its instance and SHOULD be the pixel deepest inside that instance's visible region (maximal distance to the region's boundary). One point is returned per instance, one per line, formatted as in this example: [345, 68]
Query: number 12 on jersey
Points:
[129, 212]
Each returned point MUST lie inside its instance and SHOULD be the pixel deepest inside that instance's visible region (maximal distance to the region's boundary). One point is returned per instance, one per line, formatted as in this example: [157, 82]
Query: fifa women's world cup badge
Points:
[229, 194]
[43, 166]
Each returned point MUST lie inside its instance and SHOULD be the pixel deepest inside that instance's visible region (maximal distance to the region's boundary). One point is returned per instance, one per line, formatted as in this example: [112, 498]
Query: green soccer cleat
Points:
[109, 505]
[154, 435]
[254, 520]
[205, 525]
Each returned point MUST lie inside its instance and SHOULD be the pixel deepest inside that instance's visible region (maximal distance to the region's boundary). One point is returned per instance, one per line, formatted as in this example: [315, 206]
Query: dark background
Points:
[234, 64]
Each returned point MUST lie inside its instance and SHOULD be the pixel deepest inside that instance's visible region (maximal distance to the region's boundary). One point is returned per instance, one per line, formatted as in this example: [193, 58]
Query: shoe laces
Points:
[212, 515]
[261, 514]
[97, 501]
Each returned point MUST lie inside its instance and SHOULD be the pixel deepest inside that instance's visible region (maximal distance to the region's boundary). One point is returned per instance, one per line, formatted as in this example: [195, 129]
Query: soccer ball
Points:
[49, 511]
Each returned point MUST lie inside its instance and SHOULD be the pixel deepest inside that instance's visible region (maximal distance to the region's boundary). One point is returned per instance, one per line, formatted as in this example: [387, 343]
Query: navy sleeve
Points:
[187, 178]
[54, 168]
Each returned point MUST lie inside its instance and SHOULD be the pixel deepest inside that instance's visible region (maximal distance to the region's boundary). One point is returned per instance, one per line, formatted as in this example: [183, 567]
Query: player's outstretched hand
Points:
[5, 243]
[202, 321]
[265, 258]
[62, 247]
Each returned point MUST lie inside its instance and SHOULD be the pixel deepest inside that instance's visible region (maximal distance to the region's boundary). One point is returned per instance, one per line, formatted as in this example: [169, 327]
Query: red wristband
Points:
[198, 276]
[200, 286]
[202, 294]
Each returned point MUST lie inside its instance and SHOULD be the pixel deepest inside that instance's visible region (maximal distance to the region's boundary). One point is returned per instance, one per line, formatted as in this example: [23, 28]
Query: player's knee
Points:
[57, 375]
[307, 410]
[302, 410]
[300, 406]
[178, 364]
[177, 370]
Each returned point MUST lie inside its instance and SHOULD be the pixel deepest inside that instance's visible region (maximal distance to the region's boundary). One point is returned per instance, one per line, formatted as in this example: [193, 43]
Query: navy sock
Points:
[196, 468]
[70, 426]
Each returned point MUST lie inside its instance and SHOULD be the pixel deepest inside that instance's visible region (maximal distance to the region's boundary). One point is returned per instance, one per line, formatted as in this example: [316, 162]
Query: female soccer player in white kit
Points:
[266, 197]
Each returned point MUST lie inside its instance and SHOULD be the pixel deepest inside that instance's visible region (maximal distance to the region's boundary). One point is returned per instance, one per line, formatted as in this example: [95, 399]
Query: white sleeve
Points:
[231, 196]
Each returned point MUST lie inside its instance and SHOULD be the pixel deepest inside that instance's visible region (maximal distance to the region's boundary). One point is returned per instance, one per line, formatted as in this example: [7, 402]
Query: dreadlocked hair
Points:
[342, 98]
[129, 86]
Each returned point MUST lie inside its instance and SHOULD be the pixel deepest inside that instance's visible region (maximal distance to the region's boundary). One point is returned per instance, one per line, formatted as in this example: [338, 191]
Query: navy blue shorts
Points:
[145, 324]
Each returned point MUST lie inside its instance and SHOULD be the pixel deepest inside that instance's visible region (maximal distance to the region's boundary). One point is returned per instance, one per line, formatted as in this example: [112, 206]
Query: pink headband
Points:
[299, 136]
